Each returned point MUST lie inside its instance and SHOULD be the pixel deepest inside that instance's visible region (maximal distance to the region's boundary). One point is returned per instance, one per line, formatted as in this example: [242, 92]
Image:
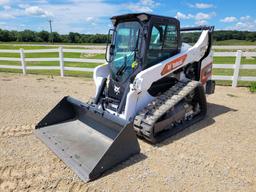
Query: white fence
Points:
[236, 66]
[61, 59]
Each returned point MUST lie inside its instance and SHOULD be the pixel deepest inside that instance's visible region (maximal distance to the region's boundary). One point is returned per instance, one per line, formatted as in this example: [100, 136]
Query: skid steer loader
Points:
[152, 86]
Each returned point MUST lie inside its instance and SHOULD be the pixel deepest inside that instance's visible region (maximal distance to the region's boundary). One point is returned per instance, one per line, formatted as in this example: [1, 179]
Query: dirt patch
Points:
[217, 154]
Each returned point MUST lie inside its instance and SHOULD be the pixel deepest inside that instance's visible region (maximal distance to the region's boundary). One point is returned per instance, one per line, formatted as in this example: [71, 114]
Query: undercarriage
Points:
[174, 110]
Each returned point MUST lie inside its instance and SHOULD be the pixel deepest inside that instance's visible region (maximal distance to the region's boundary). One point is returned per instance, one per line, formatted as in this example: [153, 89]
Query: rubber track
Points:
[145, 120]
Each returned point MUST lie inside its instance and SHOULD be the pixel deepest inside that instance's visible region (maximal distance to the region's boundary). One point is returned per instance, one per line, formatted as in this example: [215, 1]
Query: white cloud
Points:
[201, 5]
[150, 3]
[204, 16]
[180, 15]
[244, 23]
[73, 17]
[9, 12]
[201, 22]
[142, 6]
[229, 19]
[7, 7]
[88, 19]
[91, 20]
[5, 15]
[200, 17]
[245, 18]
[41, 1]
[4, 2]
[245, 26]
[37, 11]
[23, 6]
[138, 8]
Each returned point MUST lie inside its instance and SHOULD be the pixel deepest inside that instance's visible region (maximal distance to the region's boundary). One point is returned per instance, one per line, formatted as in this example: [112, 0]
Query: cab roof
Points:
[140, 16]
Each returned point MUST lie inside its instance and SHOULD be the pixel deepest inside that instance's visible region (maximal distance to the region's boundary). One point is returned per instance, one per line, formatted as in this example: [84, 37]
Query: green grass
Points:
[234, 42]
[87, 65]
[57, 44]
[33, 47]
[229, 83]
[51, 72]
[51, 63]
[231, 60]
[53, 55]
[224, 60]
[226, 72]
[9, 63]
[10, 46]
[233, 50]
[84, 55]
[16, 55]
[253, 87]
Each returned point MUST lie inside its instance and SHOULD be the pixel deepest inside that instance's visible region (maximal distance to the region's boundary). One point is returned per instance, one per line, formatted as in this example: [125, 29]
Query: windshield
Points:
[125, 43]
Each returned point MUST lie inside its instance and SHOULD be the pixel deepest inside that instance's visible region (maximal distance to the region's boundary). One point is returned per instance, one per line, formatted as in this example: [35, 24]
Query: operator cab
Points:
[138, 41]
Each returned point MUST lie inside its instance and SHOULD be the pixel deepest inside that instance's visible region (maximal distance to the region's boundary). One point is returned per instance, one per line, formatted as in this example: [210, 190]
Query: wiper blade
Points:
[122, 68]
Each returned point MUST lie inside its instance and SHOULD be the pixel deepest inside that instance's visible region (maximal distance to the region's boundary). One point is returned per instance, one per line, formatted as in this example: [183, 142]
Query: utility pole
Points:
[50, 22]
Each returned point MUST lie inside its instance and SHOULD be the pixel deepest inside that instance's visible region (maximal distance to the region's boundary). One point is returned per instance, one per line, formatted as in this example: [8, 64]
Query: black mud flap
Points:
[87, 140]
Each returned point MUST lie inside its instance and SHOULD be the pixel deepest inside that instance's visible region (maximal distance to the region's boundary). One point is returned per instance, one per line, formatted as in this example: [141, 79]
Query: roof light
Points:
[142, 17]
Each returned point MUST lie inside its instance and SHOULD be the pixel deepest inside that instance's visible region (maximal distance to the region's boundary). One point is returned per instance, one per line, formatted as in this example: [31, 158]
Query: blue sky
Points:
[92, 16]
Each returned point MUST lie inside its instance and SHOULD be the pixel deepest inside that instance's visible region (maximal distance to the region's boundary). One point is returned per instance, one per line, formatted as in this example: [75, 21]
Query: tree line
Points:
[222, 35]
[45, 36]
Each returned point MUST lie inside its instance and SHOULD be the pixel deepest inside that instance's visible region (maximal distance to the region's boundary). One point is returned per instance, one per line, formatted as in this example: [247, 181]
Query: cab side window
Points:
[163, 43]
[156, 40]
[171, 38]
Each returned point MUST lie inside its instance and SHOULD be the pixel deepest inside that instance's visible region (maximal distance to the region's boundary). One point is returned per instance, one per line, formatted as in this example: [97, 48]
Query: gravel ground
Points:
[217, 154]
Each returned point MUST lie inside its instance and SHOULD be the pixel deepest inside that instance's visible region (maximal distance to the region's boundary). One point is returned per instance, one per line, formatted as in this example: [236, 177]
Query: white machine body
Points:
[138, 97]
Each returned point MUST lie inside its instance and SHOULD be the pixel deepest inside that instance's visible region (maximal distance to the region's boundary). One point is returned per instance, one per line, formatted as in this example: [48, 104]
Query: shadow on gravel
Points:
[214, 110]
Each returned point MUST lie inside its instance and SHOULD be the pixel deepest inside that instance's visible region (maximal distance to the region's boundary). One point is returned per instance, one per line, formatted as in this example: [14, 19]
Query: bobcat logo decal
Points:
[116, 90]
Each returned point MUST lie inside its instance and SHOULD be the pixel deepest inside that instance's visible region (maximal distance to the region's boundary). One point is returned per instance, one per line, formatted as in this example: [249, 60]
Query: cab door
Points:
[163, 42]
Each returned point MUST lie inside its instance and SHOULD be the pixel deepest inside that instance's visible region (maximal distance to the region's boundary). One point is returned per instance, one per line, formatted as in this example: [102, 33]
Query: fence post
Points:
[61, 57]
[22, 61]
[237, 68]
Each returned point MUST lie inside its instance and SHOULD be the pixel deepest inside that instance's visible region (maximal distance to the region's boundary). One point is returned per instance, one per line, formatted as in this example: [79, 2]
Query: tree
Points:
[44, 35]
[27, 36]
[56, 37]
[74, 37]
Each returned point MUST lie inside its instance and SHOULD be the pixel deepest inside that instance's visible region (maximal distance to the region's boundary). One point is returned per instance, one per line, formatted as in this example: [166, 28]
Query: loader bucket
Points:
[89, 141]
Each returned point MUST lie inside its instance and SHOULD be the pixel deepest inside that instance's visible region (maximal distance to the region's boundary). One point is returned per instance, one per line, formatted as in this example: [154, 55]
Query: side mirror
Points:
[111, 49]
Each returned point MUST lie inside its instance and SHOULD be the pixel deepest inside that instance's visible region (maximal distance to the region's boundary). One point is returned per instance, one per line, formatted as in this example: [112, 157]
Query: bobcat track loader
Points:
[152, 86]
